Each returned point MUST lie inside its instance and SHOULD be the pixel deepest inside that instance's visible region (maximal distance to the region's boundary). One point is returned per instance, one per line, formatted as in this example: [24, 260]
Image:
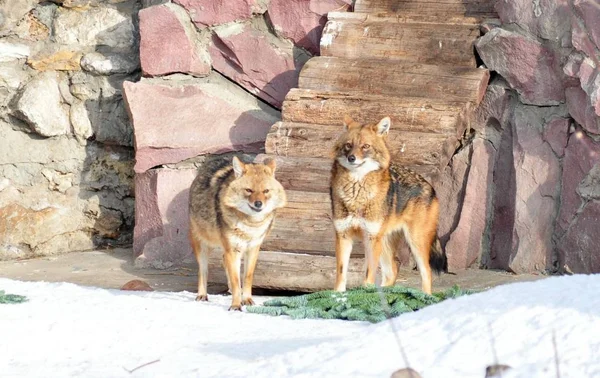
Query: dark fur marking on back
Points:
[219, 183]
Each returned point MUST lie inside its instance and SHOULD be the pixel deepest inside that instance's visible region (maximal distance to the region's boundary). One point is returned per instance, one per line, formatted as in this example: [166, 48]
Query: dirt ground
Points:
[112, 268]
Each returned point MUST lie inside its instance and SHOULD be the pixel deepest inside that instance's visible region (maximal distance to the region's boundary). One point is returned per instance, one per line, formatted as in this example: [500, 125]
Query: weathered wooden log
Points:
[304, 225]
[360, 36]
[291, 271]
[407, 114]
[396, 79]
[305, 174]
[474, 8]
[310, 140]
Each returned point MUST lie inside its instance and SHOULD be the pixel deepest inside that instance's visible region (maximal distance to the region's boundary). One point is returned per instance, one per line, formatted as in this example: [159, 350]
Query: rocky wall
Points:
[530, 197]
[66, 142]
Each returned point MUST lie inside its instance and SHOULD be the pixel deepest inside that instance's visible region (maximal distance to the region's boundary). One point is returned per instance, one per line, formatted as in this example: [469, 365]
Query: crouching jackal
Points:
[232, 207]
[375, 199]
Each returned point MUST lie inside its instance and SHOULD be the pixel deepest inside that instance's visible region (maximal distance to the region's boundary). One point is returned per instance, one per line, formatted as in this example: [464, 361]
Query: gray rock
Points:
[10, 51]
[108, 64]
[45, 13]
[11, 11]
[80, 121]
[102, 96]
[94, 26]
[25, 149]
[41, 107]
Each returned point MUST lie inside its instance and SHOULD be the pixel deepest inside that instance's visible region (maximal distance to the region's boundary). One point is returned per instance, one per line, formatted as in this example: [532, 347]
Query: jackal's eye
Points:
[366, 146]
[249, 191]
[348, 146]
[266, 191]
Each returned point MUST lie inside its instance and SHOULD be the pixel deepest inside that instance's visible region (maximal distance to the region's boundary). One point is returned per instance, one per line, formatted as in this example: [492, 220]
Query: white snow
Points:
[67, 330]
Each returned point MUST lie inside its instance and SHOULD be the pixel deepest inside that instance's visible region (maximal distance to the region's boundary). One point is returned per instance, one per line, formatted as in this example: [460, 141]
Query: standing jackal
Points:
[375, 199]
[232, 207]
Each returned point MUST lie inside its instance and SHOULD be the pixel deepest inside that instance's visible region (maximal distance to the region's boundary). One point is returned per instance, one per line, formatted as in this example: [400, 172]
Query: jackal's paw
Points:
[248, 301]
[235, 308]
[202, 298]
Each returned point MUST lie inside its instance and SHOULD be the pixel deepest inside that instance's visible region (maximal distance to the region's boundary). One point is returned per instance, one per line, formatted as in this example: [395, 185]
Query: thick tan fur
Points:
[375, 200]
[232, 207]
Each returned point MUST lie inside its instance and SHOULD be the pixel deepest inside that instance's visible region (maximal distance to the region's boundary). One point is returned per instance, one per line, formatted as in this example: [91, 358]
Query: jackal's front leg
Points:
[232, 260]
[343, 249]
[250, 258]
[373, 245]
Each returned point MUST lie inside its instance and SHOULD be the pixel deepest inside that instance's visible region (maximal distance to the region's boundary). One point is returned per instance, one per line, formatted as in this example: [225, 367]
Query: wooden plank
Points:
[310, 140]
[439, 7]
[368, 36]
[423, 18]
[308, 174]
[407, 114]
[396, 79]
[304, 225]
[305, 174]
[291, 271]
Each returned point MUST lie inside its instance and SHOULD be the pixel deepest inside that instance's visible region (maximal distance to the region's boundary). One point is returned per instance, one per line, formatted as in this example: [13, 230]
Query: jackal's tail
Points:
[437, 258]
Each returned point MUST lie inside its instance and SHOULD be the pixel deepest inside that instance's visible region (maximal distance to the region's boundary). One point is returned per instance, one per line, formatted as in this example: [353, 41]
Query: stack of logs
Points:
[410, 60]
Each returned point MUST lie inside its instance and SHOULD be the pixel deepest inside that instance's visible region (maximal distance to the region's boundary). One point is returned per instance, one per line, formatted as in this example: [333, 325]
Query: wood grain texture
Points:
[291, 271]
[473, 8]
[370, 36]
[310, 140]
[407, 114]
[397, 79]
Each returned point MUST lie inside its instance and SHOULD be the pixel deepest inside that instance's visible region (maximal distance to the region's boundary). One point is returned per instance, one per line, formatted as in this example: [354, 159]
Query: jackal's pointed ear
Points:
[239, 168]
[383, 127]
[347, 122]
[271, 163]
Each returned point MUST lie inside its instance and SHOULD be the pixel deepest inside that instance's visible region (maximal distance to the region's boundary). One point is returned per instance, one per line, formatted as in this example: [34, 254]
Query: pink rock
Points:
[581, 110]
[176, 122]
[528, 66]
[215, 12]
[548, 19]
[450, 190]
[162, 225]
[302, 21]
[571, 67]
[149, 224]
[496, 107]
[167, 43]
[527, 190]
[580, 38]
[581, 154]
[257, 61]
[556, 135]
[589, 11]
[578, 250]
[467, 242]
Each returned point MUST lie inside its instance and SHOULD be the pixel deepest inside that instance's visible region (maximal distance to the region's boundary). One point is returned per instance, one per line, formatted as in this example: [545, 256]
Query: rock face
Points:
[204, 116]
[302, 21]
[215, 12]
[66, 171]
[545, 177]
[265, 66]
[168, 45]
[465, 246]
[528, 66]
[41, 106]
[161, 236]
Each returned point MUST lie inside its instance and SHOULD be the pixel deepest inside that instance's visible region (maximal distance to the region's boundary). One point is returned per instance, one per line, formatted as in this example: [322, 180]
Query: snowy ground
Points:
[67, 330]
